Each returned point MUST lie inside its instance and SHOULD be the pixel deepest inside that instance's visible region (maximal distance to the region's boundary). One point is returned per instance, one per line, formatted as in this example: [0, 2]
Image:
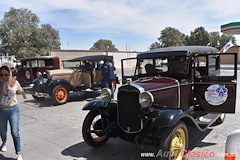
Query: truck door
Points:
[215, 88]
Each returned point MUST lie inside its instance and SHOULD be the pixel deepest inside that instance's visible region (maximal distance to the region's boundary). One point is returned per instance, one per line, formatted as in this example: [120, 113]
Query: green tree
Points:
[171, 37]
[219, 41]
[20, 35]
[198, 37]
[155, 45]
[214, 39]
[224, 40]
[103, 45]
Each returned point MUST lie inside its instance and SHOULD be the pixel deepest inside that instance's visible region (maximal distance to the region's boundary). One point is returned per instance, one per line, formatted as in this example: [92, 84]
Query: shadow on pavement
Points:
[196, 137]
[74, 96]
[5, 158]
[81, 96]
[114, 149]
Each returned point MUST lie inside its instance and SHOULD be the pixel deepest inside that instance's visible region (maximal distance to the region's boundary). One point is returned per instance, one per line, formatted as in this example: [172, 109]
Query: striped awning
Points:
[231, 28]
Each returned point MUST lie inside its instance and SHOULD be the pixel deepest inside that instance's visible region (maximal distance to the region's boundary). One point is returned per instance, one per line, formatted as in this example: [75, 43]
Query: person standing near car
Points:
[9, 110]
[108, 75]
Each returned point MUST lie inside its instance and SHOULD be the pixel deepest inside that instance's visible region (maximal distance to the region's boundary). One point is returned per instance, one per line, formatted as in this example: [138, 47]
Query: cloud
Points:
[145, 17]
[131, 18]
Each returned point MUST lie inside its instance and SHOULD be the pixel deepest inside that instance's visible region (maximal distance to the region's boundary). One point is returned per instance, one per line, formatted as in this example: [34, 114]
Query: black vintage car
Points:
[78, 74]
[169, 90]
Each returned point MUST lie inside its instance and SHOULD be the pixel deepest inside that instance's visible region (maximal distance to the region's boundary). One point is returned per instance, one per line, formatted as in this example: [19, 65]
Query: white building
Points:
[117, 55]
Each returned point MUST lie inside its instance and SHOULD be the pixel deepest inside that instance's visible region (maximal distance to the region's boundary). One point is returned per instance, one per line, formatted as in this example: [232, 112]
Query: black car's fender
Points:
[169, 117]
[108, 110]
[39, 85]
[99, 103]
[63, 82]
[94, 104]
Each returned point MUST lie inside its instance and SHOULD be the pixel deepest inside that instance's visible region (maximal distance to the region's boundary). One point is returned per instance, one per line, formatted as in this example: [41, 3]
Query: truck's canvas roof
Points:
[177, 51]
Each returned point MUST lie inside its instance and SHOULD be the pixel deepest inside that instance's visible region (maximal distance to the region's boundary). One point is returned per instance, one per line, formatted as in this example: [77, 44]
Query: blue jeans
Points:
[12, 115]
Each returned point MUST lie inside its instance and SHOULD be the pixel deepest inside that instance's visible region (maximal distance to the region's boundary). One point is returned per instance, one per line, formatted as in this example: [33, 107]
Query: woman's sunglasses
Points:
[4, 75]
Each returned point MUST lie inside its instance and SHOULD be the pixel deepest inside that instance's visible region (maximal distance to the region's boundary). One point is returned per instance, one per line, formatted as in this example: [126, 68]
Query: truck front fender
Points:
[63, 82]
[99, 103]
[168, 117]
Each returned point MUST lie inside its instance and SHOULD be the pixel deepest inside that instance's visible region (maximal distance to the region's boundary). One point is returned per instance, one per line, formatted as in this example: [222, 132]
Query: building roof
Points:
[231, 28]
[177, 51]
[41, 57]
[90, 58]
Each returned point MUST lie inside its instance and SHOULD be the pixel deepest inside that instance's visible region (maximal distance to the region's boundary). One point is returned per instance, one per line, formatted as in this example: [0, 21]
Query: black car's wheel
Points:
[93, 121]
[174, 142]
[60, 94]
[38, 98]
[221, 119]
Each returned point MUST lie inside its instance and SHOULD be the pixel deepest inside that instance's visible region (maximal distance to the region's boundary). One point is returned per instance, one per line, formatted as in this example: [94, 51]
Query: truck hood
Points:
[156, 83]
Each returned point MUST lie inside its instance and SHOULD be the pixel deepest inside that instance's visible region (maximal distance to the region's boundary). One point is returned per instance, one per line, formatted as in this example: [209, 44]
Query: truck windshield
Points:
[167, 65]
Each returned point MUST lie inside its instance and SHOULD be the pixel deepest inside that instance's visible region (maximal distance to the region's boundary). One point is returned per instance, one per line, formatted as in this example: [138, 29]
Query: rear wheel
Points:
[93, 122]
[174, 142]
[60, 94]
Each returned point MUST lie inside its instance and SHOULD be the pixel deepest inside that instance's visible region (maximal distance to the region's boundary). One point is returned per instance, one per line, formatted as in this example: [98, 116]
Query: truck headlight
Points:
[146, 99]
[49, 74]
[39, 74]
[27, 74]
[106, 94]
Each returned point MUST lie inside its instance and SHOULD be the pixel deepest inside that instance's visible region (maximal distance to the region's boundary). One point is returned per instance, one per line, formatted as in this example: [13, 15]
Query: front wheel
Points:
[174, 142]
[60, 94]
[94, 122]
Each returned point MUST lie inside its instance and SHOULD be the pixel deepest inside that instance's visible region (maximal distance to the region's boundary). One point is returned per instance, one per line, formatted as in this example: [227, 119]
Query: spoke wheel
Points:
[93, 122]
[178, 144]
[60, 94]
[174, 142]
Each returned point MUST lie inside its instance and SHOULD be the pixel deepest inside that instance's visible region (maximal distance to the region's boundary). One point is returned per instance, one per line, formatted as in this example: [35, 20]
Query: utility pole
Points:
[68, 43]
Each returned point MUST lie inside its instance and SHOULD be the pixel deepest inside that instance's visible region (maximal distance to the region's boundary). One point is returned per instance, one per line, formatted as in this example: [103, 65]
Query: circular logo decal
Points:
[216, 94]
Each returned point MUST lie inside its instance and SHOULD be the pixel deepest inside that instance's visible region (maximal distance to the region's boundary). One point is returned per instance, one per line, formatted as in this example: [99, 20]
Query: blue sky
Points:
[135, 23]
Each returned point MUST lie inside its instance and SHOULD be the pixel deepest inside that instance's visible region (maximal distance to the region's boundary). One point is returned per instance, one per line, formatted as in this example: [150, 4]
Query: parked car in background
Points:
[30, 68]
[78, 74]
[169, 91]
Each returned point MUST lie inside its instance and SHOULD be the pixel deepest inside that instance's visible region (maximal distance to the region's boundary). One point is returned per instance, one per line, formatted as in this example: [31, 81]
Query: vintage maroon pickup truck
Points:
[169, 90]
[33, 67]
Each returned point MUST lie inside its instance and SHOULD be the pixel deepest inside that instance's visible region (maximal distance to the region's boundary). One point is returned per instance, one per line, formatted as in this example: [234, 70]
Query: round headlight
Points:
[49, 74]
[146, 99]
[39, 74]
[27, 74]
[106, 94]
